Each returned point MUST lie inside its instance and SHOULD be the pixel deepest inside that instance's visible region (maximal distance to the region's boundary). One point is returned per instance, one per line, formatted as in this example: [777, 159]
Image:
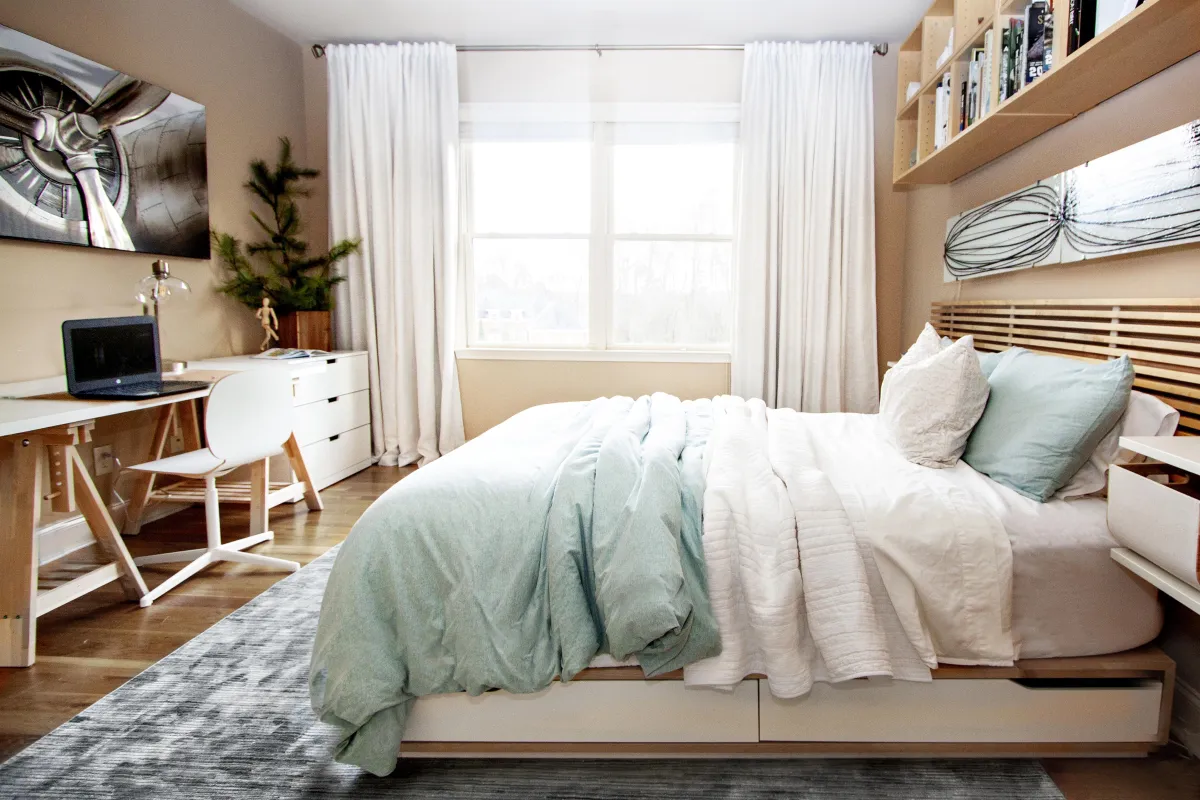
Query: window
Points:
[607, 236]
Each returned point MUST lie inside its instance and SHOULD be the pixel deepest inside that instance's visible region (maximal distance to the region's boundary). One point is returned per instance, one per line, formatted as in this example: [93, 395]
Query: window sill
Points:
[548, 354]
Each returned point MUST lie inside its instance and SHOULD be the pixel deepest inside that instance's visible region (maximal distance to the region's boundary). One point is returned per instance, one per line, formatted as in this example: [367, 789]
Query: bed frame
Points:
[1111, 705]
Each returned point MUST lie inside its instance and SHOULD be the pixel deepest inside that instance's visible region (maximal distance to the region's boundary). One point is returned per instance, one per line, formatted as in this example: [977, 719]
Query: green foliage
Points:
[280, 267]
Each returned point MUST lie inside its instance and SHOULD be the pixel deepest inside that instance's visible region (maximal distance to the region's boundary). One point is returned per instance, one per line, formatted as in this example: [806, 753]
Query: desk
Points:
[44, 432]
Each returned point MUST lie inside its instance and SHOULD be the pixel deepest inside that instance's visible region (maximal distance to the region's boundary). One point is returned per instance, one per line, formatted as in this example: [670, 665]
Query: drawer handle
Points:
[331, 361]
[334, 399]
[335, 437]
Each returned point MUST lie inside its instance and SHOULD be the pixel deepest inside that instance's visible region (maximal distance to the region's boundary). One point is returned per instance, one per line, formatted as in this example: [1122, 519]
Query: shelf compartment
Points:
[1157, 35]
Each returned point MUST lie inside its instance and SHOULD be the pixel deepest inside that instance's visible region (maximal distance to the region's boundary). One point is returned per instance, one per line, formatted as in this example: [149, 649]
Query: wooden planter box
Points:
[309, 330]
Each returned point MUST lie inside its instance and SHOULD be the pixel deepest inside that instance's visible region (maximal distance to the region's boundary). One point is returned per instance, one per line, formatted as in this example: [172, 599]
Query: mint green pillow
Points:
[1044, 417]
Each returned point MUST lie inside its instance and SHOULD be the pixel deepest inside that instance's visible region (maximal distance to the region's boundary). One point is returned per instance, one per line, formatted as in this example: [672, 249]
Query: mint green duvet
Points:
[570, 530]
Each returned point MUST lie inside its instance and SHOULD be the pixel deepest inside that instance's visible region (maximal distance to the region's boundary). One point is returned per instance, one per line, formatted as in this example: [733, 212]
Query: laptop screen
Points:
[113, 351]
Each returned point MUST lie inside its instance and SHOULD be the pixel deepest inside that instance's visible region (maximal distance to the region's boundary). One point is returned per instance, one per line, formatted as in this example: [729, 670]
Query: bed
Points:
[1060, 666]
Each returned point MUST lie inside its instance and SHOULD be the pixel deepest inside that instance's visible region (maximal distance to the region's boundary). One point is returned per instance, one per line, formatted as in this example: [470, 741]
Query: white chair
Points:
[247, 419]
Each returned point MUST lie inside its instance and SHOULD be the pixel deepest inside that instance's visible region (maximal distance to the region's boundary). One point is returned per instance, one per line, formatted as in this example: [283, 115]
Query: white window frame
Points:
[600, 345]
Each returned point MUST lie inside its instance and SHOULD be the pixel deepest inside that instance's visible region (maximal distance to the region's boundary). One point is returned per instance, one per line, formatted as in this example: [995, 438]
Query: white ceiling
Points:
[587, 21]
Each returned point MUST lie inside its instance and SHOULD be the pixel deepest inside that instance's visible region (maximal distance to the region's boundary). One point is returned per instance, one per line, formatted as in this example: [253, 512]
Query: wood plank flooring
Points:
[89, 647]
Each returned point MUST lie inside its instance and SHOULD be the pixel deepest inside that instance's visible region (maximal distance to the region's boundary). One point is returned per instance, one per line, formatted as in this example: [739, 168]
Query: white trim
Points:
[1185, 722]
[546, 354]
[599, 112]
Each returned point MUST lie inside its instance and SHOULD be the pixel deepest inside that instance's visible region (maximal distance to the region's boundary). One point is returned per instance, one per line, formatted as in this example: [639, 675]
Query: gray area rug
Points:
[227, 716]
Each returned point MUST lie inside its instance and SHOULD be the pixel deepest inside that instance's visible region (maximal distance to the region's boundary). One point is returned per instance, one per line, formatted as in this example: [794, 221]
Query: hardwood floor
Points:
[89, 647]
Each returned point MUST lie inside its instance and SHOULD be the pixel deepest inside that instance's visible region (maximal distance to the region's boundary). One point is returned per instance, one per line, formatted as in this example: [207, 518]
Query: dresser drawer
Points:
[325, 418]
[1154, 510]
[331, 459]
[344, 375]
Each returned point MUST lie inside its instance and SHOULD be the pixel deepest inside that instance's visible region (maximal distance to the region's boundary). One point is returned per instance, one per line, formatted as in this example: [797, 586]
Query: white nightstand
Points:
[1154, 510]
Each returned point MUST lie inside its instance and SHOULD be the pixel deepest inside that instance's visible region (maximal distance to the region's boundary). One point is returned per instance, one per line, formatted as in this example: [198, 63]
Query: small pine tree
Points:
[294, 280]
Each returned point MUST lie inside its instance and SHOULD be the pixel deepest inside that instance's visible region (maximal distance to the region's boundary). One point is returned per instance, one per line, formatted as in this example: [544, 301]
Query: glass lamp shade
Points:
[158, 286]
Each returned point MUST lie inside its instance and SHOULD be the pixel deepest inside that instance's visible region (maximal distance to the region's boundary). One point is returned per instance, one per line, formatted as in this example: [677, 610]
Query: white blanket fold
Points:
[831, 557]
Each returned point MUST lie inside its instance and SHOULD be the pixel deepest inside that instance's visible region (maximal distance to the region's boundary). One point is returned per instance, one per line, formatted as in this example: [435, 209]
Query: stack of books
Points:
[1027, 47]
[976, 92]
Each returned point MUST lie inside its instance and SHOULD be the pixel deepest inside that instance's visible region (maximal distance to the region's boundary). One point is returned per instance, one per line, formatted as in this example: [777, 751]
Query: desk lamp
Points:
[154, 289]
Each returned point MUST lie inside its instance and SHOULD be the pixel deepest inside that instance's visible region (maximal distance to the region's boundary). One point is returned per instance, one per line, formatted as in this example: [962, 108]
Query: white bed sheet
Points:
[1069, 597]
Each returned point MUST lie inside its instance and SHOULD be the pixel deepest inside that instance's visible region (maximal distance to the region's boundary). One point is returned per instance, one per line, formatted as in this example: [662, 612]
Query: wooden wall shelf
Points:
[1157, 35]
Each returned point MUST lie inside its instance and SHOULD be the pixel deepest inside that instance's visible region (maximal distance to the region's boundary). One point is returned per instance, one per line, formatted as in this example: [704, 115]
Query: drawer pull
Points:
[331, 361]
[335, 437]
[334, 399]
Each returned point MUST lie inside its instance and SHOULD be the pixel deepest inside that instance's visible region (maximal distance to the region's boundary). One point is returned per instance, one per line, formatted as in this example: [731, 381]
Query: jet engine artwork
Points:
[91, 156]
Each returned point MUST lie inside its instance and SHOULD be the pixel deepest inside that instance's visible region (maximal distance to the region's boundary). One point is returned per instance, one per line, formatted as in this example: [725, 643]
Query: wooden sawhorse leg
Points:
[71, 484]
[296, 458]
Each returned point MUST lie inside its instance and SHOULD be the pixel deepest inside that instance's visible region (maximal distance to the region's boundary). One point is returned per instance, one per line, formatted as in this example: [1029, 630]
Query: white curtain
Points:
[393, 183]
[805, 329]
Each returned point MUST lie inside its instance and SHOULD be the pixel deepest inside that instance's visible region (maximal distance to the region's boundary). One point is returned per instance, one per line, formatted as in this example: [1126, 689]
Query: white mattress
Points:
[1069, 597]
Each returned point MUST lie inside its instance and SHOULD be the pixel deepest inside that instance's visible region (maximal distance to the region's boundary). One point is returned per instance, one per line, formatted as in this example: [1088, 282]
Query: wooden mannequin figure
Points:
[270, 323]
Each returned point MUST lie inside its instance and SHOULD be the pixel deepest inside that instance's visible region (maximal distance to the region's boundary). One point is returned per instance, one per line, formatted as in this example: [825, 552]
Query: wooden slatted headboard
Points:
[1161, 336]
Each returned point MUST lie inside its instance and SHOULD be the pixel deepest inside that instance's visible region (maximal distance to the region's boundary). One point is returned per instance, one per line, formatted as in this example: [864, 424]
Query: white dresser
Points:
[333, 409]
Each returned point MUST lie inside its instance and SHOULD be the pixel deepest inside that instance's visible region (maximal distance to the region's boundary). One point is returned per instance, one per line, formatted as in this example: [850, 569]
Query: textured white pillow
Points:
[1145, 416]
[932, 399]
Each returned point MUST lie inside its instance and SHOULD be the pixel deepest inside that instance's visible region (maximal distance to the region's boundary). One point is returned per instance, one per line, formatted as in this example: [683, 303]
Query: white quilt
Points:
[831, 557]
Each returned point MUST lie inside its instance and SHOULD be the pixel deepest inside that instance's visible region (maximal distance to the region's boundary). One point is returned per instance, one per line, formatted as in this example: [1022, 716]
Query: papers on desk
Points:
[288, 353]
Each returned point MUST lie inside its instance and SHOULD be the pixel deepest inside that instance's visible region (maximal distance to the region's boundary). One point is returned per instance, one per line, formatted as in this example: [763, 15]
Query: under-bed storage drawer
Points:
[964, 710]
[591, 711]
[1154, 509]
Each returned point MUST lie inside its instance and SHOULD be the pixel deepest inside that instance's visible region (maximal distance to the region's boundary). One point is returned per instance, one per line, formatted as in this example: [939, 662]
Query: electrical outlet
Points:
[175, 441]
[102, 460]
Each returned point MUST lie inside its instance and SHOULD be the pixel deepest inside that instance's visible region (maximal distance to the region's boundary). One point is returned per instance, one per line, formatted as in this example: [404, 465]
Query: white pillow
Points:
[932, 399]
[1145, 416]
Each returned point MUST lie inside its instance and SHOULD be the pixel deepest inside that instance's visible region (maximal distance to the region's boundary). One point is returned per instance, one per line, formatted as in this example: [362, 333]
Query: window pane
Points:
[531, 187]
[531, 291]
[673, 188]
[672, 293]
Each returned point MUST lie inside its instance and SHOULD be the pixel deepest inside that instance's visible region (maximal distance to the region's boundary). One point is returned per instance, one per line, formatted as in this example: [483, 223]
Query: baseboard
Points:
[1185, 719]
[65, 536]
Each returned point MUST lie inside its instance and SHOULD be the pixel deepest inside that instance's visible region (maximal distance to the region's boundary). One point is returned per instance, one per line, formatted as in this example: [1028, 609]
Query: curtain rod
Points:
[318, 50]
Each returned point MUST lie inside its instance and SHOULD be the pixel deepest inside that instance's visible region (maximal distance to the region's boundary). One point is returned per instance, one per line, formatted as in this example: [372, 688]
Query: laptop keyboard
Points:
[151, 389]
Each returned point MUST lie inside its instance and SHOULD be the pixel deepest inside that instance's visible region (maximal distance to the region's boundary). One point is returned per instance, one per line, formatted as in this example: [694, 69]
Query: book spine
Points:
[1004, 59]
[1048, 39]
[988, 69]
[948, 82]
[962, 110]
[1087, 21]
[1035, 41]
[1073, 26]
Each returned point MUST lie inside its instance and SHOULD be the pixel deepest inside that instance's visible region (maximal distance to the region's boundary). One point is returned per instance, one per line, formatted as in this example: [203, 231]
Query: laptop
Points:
[117, 358]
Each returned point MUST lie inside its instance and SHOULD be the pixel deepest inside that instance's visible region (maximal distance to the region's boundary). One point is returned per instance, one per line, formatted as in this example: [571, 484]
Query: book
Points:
[1081, 23]
[973, 89]
[986, 86]
[287, 354]
[962, 110]
[1035, 49]
[1005, 56]
[1020, 50]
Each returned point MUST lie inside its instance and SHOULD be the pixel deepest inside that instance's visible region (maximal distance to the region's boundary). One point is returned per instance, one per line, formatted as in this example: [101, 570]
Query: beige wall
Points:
[494, 390]
[1156, 105]
[249, 78]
